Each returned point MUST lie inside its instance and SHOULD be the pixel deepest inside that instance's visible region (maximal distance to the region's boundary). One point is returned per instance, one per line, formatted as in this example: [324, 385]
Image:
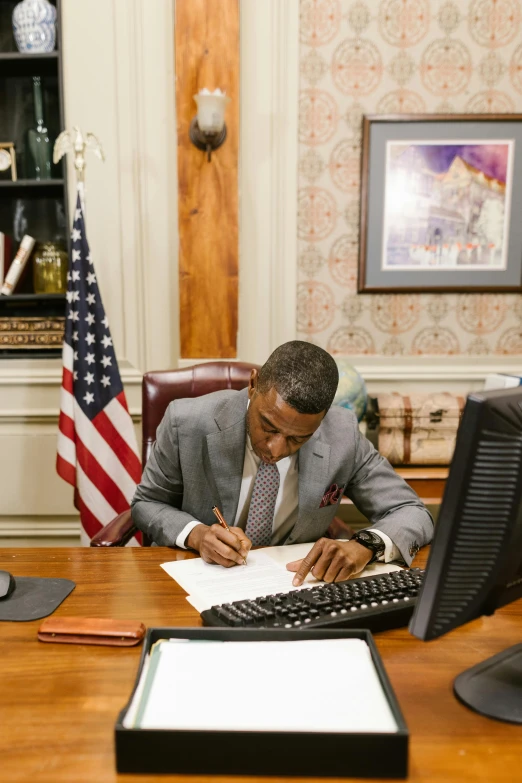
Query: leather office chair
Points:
[158, 390]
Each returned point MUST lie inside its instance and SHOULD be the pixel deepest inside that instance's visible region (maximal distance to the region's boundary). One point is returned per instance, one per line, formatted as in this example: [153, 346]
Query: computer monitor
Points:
[475, 561]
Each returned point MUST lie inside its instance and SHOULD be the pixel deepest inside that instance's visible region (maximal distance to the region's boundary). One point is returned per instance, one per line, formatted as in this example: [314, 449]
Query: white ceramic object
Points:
[34, 26]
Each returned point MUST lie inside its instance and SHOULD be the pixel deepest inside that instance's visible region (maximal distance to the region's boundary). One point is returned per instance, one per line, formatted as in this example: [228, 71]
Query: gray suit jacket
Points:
[197, 462]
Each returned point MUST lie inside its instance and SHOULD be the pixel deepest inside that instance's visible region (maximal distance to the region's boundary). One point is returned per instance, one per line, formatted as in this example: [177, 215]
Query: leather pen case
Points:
[91, 630]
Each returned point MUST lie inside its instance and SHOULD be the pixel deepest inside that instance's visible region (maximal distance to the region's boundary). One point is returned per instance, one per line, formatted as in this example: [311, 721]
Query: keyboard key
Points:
[229, 618]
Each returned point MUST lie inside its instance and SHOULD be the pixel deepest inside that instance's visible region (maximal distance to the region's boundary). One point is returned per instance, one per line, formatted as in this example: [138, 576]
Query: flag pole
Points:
[97, 449]
[80, 186]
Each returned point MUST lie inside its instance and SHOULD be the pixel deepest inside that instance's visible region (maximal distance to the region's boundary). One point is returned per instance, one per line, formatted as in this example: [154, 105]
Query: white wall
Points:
[119, 84]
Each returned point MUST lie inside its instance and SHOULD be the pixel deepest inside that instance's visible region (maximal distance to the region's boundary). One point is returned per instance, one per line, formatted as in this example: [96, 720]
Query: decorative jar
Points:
[34, 26]
[50, 268]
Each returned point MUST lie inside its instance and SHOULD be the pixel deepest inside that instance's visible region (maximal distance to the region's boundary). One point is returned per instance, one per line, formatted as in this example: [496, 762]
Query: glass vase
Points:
[39, 141]
[50, 264]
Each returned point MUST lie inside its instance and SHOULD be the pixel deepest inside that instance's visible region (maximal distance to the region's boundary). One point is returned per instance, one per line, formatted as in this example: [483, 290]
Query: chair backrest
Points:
[160, 388]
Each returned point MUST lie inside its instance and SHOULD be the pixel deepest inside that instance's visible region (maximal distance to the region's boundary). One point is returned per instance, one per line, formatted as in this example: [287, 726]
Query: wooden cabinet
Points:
[428, 483]
[31, 324]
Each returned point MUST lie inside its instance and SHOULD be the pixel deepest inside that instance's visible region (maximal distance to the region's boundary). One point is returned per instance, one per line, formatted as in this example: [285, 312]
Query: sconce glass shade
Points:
[211, 110]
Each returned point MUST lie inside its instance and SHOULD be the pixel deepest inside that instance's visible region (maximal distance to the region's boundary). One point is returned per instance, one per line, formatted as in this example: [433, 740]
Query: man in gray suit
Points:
[276, 459]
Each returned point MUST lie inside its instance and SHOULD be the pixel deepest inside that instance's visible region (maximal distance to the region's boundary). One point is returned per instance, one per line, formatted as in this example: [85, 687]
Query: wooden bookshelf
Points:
[31, 324]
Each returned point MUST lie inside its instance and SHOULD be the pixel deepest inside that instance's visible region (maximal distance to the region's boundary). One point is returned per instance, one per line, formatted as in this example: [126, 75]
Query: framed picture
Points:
[440, 204]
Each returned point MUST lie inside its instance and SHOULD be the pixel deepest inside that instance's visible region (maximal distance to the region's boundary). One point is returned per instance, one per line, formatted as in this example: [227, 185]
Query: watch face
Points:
[371, 540]
[5, 160]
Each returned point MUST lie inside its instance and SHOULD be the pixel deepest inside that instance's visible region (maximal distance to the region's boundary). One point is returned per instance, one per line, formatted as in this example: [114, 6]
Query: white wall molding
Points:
[44, 415]
[432, 369]
[144, 69]
[269, 55]
[39, 527]
[119, 83]
[30, 389]
[460, 375]
[49, 373]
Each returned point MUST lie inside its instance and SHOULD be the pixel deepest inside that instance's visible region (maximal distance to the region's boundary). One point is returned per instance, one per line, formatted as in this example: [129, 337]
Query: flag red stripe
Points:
[66, 426]
[89, 522]
[126, 456]
[65, 470]
[101, 480]
[67, 380]
[123, 401]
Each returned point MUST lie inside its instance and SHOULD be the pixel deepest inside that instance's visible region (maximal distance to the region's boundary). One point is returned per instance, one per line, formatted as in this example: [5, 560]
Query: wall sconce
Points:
[208, 130]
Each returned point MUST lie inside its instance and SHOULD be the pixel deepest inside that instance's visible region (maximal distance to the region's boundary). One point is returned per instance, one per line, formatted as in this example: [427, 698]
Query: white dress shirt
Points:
[287, 503]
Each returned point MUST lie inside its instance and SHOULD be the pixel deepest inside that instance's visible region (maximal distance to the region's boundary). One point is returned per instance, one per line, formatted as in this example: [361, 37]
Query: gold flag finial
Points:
[65, 144]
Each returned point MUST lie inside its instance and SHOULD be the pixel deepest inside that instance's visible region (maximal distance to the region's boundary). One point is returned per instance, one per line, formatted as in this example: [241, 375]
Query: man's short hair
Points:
[304, 375]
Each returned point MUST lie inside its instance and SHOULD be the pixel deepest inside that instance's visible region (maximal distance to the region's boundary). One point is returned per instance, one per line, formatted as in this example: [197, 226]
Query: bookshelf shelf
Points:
[9, 56]
[32, 183]
[16, 299]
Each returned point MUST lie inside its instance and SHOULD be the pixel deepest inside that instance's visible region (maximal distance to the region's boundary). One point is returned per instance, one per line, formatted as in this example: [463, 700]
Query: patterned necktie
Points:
[262, 504]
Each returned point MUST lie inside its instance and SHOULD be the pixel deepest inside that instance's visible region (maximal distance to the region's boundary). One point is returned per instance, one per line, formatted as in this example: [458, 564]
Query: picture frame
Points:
[8, 161]
[438, 204]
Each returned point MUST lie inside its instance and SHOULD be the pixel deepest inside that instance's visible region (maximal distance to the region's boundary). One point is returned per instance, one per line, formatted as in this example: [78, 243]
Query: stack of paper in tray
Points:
[176, 680]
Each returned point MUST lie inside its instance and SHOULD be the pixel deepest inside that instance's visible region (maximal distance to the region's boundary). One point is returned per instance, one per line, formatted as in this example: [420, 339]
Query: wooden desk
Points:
[58, 703]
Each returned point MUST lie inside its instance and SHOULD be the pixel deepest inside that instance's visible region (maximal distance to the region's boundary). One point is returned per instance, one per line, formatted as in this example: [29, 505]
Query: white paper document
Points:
[178, 691]
[264, 574]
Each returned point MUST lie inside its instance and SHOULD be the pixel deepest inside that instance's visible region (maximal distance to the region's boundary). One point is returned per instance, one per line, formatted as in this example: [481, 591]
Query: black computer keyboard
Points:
[375, 602]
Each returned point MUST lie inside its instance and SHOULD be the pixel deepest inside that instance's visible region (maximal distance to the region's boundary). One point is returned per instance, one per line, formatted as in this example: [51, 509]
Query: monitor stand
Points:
[494, 687]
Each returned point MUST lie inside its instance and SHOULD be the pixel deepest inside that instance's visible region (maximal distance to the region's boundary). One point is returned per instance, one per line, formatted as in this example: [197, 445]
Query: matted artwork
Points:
[438, 204]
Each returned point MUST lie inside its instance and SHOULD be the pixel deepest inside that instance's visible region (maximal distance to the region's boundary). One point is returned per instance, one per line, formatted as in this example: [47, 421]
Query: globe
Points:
[351, 391]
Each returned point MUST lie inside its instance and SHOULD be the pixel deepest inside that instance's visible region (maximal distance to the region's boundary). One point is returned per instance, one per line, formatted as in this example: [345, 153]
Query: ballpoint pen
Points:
[221, 519]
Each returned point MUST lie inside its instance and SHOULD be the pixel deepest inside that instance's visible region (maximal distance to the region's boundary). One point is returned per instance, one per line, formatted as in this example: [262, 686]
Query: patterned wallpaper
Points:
[393, 56]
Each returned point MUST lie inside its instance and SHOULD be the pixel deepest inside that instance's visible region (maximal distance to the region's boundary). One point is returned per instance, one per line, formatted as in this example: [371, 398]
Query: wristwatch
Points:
[371, 541]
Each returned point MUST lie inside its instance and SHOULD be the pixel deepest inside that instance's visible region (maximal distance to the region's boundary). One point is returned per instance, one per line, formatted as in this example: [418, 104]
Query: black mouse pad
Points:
[34, 597]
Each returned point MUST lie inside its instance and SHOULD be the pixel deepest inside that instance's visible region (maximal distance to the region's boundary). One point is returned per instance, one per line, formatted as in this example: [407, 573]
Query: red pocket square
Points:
[331, 496]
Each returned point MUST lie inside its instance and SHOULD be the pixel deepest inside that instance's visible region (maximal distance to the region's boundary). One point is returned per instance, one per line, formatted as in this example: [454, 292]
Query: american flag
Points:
[97, 448]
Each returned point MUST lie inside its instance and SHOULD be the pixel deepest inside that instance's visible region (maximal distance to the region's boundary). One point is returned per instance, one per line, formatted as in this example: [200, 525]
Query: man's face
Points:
[276, 429]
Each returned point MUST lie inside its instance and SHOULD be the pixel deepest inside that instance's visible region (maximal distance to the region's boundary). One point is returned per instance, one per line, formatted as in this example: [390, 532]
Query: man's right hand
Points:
[217, 545]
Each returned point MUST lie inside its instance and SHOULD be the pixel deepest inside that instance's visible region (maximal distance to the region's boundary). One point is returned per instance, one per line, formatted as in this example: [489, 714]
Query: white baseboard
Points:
[38, 543]
[40, 527]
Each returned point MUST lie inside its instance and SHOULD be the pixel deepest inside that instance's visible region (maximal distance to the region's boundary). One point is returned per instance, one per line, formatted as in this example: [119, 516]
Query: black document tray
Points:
[317, 754]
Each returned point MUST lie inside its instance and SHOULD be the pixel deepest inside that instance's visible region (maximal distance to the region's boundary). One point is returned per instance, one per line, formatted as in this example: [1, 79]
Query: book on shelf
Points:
[18, 265]
[502, 380]
[5, 255]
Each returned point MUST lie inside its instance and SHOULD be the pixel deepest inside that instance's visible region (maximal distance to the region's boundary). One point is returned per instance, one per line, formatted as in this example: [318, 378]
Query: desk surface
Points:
[58, 703]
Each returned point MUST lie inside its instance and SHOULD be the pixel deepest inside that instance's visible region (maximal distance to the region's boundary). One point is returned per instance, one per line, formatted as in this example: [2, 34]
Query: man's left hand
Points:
[331, 561]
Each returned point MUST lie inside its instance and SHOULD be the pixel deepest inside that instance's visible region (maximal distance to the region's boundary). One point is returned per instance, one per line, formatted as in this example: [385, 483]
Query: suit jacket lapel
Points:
[226, 451]
[314, 460]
